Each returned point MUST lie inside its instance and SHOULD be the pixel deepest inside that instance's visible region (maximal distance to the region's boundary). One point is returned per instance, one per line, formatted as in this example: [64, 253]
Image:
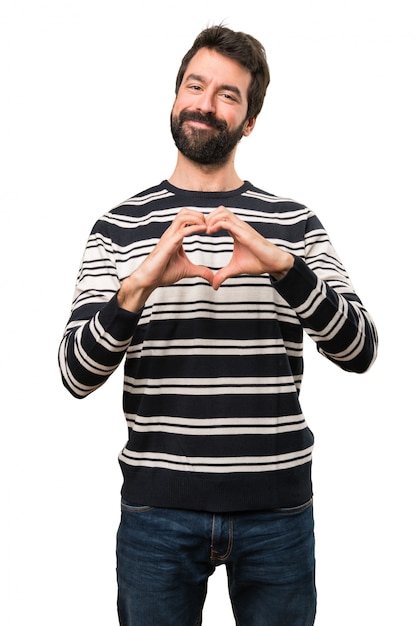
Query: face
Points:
[209, 113]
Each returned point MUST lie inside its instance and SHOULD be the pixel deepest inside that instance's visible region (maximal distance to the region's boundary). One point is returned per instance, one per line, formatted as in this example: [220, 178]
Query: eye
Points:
[228, 96]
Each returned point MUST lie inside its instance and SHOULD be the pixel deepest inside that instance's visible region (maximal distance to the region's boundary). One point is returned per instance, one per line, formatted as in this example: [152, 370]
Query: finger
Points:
[223, 218]
[221, 276]
[217, 224]
[193, 270]
[204, 272]
[189, 217]
[186, 223]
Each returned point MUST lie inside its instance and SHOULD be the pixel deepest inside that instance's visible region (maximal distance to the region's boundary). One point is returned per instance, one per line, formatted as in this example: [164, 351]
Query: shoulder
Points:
[150, 210]
[270, 202]
[141, 202]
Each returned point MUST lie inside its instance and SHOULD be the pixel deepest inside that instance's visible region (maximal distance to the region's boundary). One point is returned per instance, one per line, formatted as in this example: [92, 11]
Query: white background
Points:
[86, 91]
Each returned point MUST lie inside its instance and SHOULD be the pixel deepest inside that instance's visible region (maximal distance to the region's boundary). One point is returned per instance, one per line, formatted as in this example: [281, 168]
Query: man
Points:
[205, 284]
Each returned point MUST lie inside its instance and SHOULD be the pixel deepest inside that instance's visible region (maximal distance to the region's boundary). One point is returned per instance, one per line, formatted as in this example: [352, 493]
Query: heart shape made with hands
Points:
[252, 254]
[168, 262]
[220, 219]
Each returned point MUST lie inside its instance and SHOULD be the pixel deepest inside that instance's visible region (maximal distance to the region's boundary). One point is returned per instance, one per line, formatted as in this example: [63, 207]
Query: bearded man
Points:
[204, 286]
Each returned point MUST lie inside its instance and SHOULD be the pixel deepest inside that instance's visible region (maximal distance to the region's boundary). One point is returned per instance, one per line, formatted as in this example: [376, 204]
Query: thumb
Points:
[221, 276]
[204, 272]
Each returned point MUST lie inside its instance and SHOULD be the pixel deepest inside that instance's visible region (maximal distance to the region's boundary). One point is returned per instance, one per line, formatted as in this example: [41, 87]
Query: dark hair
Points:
[240, 47]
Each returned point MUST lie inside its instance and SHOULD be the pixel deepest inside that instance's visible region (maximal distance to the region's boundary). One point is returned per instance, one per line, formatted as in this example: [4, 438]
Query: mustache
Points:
[206, 118]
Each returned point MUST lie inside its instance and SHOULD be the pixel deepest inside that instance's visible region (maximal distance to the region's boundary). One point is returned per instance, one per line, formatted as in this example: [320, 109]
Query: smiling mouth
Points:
[204, 122]
[200, 125]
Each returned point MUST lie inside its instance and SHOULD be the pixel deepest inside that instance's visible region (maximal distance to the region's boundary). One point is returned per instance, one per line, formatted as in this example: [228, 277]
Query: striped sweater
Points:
[212, 378]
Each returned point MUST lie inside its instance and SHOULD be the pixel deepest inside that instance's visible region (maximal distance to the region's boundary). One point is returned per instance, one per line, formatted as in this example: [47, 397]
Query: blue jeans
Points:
[165, 557]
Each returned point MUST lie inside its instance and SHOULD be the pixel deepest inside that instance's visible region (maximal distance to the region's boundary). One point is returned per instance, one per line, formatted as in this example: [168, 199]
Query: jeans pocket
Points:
[128, 507]
[293, 510]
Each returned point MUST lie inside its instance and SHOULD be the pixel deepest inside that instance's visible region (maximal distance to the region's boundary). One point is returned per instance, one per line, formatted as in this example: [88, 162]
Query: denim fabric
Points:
[165, 557]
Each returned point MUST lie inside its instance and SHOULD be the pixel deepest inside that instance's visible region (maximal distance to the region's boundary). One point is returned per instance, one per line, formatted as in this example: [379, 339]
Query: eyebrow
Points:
[201, 79]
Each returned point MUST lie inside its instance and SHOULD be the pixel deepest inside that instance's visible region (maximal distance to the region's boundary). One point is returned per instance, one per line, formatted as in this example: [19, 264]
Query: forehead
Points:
[216, 68]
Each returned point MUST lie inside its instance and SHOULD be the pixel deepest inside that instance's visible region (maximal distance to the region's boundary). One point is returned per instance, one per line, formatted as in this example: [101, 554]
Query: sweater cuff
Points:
[298, 283]
[119, 322]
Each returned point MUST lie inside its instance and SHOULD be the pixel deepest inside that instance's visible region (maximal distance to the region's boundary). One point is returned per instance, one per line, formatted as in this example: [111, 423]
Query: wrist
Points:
[131, 296]
[286, 264]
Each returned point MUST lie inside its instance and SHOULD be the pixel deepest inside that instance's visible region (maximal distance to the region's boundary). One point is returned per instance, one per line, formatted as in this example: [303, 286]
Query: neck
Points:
[193, 176]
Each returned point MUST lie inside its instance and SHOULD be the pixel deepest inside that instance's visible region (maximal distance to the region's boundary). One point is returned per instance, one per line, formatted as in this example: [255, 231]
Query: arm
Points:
[166, 264]
[319, 292]
[336, 320]
[106, 311]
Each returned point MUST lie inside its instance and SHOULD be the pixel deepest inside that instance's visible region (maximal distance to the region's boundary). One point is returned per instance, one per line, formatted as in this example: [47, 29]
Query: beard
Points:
[204, 146]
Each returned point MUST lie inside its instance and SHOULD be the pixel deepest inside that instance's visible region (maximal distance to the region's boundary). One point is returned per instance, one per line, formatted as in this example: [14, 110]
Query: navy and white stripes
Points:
[212, 379]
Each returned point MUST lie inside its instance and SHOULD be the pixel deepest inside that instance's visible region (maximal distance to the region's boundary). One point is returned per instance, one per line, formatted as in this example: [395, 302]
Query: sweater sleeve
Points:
[331, 312]
[98, 332]
[90, 352]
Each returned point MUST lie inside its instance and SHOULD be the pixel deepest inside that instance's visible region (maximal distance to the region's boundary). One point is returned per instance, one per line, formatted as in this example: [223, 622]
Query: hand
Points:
[252, 254]
[166, 264]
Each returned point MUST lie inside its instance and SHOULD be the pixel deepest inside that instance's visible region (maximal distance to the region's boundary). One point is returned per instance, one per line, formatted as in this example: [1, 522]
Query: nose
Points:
[206, 102]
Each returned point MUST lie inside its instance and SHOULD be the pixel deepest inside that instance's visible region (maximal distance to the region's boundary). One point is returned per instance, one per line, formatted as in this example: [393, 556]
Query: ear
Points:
[249, 126]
